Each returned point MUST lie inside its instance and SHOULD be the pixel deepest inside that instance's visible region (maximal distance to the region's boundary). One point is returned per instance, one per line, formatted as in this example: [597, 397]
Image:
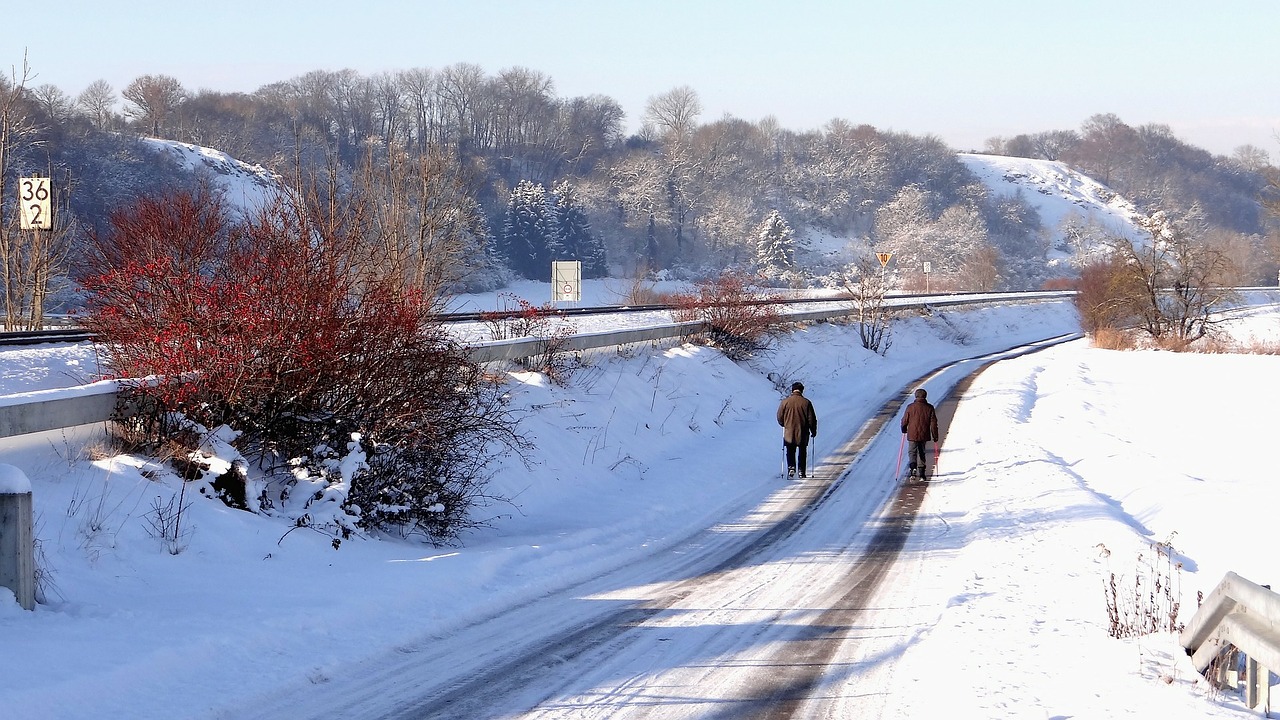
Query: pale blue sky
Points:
[963, 71]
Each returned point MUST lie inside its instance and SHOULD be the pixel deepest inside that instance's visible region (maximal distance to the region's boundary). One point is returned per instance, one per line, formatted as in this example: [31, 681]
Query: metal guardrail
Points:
[54, 409]
[529, 347]
[1238, 617]
[45, 410]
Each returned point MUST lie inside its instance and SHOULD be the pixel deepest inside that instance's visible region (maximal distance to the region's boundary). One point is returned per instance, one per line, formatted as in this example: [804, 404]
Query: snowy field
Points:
[1059, 468]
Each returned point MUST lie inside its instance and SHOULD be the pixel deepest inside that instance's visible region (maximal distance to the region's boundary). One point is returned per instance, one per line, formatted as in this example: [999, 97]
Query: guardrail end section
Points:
[17, 541]
[1238, 619]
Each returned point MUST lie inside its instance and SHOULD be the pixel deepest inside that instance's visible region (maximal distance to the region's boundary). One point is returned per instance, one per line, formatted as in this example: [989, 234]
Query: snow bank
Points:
[13, 481]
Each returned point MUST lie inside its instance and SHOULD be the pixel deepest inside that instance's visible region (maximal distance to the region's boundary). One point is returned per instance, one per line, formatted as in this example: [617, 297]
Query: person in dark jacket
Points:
[799, 423]
[920, 425]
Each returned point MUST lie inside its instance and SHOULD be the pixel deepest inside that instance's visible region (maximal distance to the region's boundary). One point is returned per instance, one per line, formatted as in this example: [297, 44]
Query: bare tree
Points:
[153, 98]
[389, 102]
[1021, 145]
[1176, 282]
[672, 118]
[1051, 144]
[1106, 144]
[425, 229]
[524, 100]
[1246, 257]
[674, 112]
[98, 103]
[1270, 196]
[39, 260]
[594, 129]
[982, 269]
[1104, 293]
[461, 88]
[18, 136]
[57, 105]
[867, 285]
[1251, 158]
[529, 126]
[422, 106]
[354, 110]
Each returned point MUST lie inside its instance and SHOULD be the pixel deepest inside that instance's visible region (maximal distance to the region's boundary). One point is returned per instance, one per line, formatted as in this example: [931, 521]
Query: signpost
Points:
[34, 203]
[883, 257]
[35, 213]
[566, 281]
[928, 268]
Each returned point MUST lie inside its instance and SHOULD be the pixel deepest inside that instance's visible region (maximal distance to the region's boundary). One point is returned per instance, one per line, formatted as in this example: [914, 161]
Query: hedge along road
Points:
[784, 611]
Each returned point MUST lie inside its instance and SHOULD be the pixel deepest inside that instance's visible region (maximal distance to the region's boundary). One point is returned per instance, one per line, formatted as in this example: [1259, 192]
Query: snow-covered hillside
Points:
[1061, 197]
[1059, 194]
[248, 187]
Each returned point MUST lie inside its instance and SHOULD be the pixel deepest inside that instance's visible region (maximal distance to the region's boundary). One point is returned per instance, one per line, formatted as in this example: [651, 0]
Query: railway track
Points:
[73, 334]
[39, 337]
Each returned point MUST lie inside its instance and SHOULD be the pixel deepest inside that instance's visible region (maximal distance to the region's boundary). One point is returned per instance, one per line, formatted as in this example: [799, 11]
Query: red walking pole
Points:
[897, 467]
[937, 452]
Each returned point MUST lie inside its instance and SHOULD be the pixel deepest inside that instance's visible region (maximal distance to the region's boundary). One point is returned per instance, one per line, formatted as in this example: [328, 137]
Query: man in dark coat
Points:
[799, 423]
[920, 424]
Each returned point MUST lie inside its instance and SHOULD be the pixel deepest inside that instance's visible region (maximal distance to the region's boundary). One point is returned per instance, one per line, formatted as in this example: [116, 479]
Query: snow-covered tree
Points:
[775, 245]
[958, 235]
[529, 240]
[907, 227]
[576, 241]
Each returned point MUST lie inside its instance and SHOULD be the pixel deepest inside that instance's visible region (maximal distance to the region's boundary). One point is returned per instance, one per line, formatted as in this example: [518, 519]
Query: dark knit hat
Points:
[797, 386]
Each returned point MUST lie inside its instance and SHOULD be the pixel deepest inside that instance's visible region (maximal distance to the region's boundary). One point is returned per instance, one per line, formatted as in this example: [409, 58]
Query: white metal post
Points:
[17, 542]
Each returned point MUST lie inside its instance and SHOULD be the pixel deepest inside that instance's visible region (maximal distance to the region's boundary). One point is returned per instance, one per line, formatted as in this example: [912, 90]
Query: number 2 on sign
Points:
[33, 200]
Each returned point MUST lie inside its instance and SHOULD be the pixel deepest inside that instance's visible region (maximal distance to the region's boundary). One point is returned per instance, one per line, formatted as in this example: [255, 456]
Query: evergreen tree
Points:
[775, 245]
[576, 241]
[529, 239]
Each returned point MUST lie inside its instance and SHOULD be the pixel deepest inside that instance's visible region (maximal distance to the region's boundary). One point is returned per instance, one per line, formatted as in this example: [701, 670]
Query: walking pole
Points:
[937, 452]
[897, 467]
[813, 455]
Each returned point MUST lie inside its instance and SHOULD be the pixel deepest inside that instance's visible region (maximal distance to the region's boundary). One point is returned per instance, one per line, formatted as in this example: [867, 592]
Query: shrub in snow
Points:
[520, 318]
[740, 321]
[283, 330]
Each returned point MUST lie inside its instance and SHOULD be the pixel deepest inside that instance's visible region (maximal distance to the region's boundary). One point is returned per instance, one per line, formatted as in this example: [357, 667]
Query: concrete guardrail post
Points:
[17, 542]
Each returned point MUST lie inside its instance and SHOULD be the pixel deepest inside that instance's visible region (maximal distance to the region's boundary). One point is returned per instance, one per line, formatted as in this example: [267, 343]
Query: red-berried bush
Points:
[520, 318]
[281, 329]
[740, 320]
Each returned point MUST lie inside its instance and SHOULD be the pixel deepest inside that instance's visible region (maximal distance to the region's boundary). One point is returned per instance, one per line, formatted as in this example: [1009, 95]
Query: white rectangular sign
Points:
[566, 281]
[34, 205]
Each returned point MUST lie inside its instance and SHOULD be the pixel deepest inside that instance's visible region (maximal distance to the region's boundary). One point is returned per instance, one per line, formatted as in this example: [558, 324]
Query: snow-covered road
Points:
[626, 574]
[781, 610]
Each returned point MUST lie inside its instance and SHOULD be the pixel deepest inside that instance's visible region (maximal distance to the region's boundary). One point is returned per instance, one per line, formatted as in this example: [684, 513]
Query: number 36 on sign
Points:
[34, 203]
